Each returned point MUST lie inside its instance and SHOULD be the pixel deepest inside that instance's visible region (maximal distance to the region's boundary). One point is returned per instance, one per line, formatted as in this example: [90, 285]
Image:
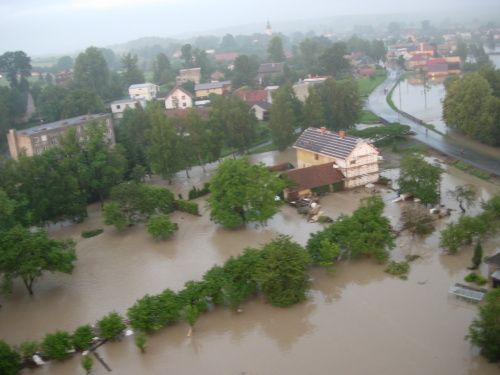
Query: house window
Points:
[316, 157]
[118, 106]
[353, 162]
[184, 104]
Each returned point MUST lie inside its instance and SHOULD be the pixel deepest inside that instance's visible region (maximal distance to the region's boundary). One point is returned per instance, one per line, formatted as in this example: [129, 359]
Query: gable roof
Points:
[141, 85]
[264, 105]
[182, 89]
[251, 96]
[269, 68]
[314, 176]
[326, 143]
[211, 85]
[494, 259]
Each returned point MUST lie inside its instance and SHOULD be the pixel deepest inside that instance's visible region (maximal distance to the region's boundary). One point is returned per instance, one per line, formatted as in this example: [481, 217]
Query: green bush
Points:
[196, 193]
[57, 345]
[91, 233]
[160, 227]
[87, 363]
[400, 269]
[111, 326]
[475, 278]
[82, 337]
[28, 349]
[10, 361]
[187, 206]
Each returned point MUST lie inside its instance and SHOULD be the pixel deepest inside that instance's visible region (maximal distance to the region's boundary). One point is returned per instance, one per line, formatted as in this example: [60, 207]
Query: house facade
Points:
[178, 98]
[143, 91]
[203, 90]
[187, 75]
[270, 71]
[261, 110]
[357, 159]
[119, 106]
[34, 141]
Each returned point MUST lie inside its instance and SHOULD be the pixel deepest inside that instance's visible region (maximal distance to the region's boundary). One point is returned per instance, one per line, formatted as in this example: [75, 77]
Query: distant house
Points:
[251, 97]
[262, 110]
[65, 77]
[143, 91]
[269, 71]
[179, 97]
[306, 180]
[423, 49]
[494, 269]
[301, 88]
[119, 106]
[436, 67]
[203, 90]
[356, 158]
[454, 64]
[217, 76]
[417, 61]
[189, 75]
[35, 140]
[226, 57]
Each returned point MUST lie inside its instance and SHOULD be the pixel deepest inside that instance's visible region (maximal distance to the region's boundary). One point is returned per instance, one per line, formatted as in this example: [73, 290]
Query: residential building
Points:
[203, 90]
[186, 75]
[261, 110]
[179, 97]
[226, 57]
[323, 176]
[119, 106]
[217, 76]
[270, 90]
[64, 78]
[251, 97]
[437, 67]
[417, 61]
[423, 49]
[493, 263]
[34, 141]
[270, 71]
[143, 91]
[356, 158]
[454, 64]
[301, 88]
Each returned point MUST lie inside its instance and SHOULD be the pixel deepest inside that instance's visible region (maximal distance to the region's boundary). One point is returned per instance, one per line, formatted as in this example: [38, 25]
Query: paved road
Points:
[377, 104]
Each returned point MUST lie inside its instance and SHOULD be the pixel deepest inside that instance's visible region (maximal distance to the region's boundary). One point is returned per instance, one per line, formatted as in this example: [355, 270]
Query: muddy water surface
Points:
[359, 320]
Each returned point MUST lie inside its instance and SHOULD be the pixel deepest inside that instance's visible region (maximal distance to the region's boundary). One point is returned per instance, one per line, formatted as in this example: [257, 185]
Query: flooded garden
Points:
[357, 320]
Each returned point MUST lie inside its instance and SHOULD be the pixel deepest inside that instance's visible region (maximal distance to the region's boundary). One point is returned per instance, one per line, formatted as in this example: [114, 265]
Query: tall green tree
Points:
[187, 55]
[162, 70]
[81, 102]
[420, 178]
[485, 329]
[50, 103]
[275, 51]
[282, 272]
[245, 71]
[28, 255]
[314, 113]
[333, 62]
[131, 73]
[64, 63]
[235, 118]
[91, 72]
[242, 193]
[16, 66]
[10, 361]
[284, 119]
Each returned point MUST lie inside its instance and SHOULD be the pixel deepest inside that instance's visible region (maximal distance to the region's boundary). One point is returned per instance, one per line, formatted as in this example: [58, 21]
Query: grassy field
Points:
[367, 85]
[473, 171]
[368, 117]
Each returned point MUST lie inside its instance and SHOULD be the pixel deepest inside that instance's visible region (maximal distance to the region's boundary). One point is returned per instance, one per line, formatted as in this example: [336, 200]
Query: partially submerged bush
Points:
[160, 227]
[187, 206]
[91, 233]
[111, 326]
[475, 278]
[57, 345]
[400, 269]
[83, 337]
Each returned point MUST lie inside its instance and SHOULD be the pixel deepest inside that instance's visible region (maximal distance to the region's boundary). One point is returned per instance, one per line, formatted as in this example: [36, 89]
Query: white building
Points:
[143, 91]
[119, 106]
[178, 98]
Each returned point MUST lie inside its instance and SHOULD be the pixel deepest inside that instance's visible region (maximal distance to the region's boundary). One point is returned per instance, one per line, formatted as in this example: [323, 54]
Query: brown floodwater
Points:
[358, 320]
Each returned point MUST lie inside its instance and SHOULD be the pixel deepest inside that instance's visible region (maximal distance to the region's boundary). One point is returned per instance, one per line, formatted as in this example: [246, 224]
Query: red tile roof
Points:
[314, 176]
[251, 96]
[439, 60]
[226, 56]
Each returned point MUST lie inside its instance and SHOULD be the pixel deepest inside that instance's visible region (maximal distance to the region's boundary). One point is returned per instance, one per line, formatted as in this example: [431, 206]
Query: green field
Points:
[367, 85]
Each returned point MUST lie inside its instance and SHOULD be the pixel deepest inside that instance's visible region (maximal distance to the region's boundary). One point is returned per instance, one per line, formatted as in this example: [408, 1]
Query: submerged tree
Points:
[420, 178]
[243, 193]
[465, 195]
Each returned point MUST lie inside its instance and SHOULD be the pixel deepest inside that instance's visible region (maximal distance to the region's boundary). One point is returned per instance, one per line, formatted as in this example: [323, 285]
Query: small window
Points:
[184, 104]
[353, 162]
[44, 138]
[316, 157]
[118, 106]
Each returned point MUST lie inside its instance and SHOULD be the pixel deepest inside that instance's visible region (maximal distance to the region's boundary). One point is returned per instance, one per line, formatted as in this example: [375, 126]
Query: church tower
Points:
[269, 31]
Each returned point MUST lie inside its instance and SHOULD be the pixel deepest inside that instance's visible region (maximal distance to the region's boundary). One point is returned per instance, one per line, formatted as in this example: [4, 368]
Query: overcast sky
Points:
[57, 26]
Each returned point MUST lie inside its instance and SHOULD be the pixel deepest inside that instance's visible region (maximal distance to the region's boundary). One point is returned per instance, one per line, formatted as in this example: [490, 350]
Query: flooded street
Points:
[359, 320]
[426, 105]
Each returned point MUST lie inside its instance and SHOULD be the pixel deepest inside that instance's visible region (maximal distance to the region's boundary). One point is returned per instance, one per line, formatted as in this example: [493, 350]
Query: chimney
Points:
[322, 130]
[342, 134]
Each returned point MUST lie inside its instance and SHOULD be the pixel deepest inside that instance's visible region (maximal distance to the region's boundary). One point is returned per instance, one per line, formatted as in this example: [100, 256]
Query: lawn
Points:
[368, 117]
[367, 85]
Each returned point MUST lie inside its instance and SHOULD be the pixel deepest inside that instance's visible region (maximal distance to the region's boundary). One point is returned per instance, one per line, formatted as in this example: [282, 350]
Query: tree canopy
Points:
[420, 178]
[242, 193]
[285, 112]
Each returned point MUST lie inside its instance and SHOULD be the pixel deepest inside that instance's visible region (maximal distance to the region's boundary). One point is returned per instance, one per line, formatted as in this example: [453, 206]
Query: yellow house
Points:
[203, 90]
[356, 158]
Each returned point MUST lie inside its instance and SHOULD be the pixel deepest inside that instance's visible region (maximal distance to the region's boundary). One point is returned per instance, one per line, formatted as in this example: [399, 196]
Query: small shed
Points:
[317, 178]
[262, 110]
[493, 263]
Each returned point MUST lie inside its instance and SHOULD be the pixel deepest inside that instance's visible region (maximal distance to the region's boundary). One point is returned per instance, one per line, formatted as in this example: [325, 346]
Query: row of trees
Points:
[472, 105]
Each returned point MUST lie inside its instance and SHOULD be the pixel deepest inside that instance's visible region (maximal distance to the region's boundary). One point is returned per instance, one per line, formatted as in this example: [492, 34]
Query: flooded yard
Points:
[359, 320]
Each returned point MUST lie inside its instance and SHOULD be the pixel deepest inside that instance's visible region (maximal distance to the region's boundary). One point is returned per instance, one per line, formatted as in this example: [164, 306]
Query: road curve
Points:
[377, 103]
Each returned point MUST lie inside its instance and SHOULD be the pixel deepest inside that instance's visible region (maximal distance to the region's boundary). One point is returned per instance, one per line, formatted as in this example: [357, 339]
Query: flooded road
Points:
[359, 320]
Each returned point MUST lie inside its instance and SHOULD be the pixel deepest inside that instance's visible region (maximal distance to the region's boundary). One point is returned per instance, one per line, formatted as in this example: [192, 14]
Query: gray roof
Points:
[62, 123]
[494, 259]
[496, 275]
[263, 105]
[270, 68]
[125, 100]
[141, 85]
[326, 143]
[211, 85]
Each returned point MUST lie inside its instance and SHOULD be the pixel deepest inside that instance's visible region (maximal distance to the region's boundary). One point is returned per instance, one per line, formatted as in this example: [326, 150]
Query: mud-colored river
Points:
[358, 321]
